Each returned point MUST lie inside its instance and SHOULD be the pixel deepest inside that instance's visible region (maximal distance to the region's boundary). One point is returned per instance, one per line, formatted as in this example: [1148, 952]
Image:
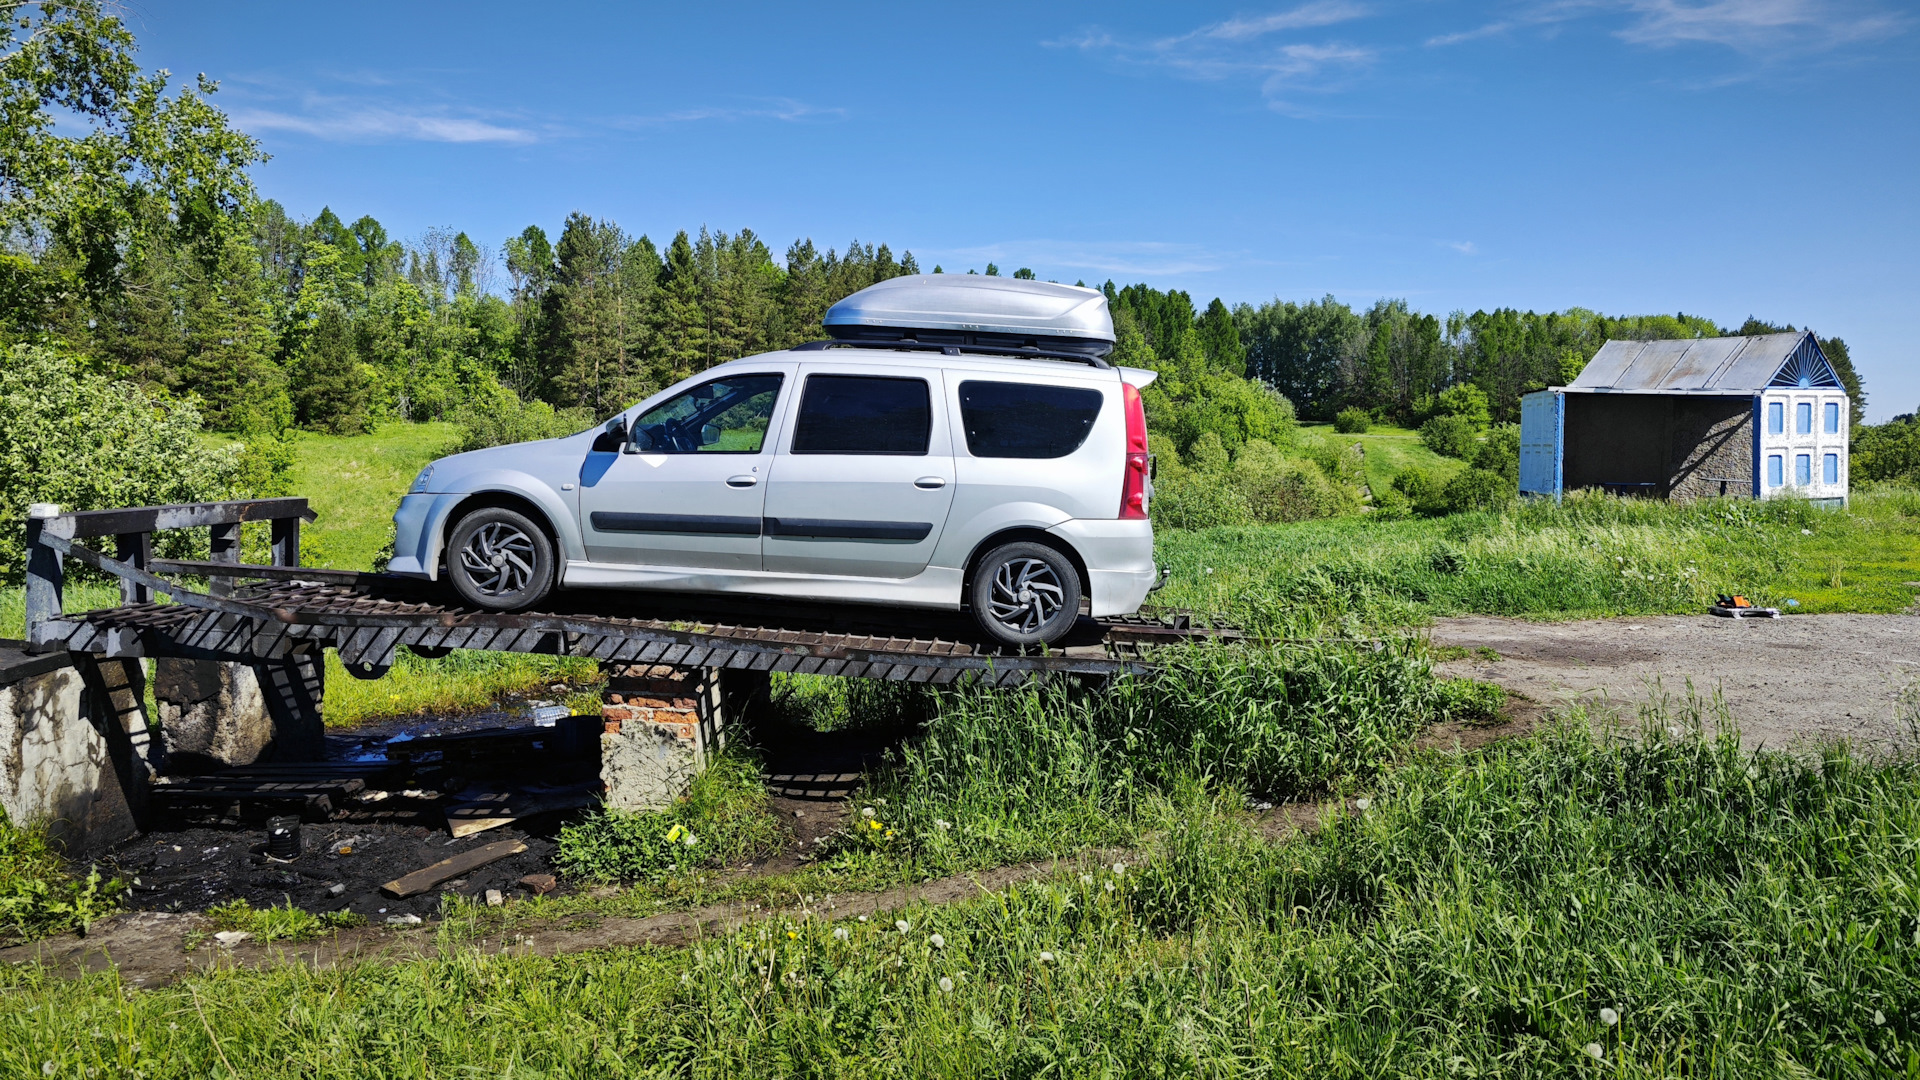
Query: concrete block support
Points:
[73, 747]
[661, 726]
[214, 713]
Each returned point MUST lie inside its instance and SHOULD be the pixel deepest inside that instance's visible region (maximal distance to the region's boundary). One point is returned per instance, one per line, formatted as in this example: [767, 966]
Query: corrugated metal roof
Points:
[1737, 365]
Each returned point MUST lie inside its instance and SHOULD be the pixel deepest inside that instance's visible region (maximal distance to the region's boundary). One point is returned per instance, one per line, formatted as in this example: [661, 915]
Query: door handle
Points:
[744, 480]
[931, 483]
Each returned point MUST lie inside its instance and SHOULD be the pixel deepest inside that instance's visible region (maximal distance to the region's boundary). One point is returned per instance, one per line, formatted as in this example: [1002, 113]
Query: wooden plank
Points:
[148, 519]
[447, 869]
[265, 573]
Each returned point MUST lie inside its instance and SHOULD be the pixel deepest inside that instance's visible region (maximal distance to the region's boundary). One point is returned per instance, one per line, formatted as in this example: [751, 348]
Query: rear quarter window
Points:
[1026, 420]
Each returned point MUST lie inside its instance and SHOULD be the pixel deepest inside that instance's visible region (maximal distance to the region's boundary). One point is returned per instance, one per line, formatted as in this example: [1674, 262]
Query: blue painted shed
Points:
[1694, 418]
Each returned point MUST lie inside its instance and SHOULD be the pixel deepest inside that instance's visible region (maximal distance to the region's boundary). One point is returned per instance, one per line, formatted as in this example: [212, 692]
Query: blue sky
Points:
[1719, 157]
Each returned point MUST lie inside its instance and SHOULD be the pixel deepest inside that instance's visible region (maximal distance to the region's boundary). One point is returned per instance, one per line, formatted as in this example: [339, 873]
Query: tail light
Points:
[1133, 485]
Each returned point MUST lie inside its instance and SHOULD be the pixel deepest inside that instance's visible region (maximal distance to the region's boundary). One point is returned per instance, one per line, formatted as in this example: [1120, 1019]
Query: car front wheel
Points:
[1025, 594]
[499, 560]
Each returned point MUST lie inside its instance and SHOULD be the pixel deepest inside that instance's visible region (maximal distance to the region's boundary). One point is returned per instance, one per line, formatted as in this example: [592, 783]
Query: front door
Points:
[689, 489]
[863, 486]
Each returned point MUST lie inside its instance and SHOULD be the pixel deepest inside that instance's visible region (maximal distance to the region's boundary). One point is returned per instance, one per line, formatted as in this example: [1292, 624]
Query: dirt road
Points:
[1786, 681]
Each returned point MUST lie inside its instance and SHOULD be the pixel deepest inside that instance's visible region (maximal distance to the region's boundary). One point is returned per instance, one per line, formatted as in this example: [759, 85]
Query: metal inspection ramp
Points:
[369, 617]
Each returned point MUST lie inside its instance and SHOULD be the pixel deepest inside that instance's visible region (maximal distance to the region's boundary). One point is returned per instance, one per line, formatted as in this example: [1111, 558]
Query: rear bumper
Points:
[1119, 558]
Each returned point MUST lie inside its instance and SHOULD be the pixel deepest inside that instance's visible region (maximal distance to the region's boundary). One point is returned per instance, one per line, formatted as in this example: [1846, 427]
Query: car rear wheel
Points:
[499, 560]
[1025, 594]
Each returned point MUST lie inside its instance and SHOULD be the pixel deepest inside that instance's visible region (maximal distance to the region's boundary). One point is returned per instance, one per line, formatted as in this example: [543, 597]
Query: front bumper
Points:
[417, 527]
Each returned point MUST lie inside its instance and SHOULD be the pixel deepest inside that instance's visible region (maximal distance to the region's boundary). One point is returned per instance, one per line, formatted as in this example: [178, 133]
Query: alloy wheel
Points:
[498, 559]
[1026, 595]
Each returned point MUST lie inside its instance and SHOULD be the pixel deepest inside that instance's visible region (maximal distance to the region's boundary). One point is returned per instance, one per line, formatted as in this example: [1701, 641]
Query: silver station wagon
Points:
[959, 443]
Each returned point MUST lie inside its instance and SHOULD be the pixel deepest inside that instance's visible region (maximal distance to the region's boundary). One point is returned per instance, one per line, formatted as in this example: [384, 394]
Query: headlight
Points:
[420, 482]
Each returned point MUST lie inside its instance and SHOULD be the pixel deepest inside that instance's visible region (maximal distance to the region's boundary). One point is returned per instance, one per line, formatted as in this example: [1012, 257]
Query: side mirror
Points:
[613, 438]
[709, 435]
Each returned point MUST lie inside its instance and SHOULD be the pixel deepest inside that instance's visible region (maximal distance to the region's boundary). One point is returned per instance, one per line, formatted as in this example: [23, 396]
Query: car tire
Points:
[499, 560]
[1025, 594]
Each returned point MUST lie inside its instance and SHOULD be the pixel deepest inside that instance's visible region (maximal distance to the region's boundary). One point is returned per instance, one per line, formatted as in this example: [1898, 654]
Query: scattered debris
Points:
[490, 810]
[230, 938]
[539, 884]
[447, 869]
[495, 898]
[408, 919]
[338, 888]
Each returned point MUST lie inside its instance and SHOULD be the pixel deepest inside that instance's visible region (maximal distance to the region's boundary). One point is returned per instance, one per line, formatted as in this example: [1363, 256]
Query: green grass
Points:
[282, 922]
[723, 818]
[1389, 451]
[986, 778]
[354, 482]
[1589, 556]
[40, 893]
[1737, 915]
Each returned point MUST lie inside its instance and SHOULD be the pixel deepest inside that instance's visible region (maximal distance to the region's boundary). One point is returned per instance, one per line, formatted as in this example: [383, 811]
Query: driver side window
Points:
[725, 416]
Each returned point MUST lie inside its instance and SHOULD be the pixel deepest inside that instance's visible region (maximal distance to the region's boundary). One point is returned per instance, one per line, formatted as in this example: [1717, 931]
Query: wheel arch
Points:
[505, 500]
[1032, 535]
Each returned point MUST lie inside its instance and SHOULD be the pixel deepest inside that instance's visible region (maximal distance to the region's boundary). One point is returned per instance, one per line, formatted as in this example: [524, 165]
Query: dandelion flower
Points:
[1046, 958]
[889, 834]
[1086, 879]
[938, 941]
[1595, 1051]
[946, 985]
[1119, 868]
[943, 826]
[46, 1067]
[840, 933]
[792, 936]
[1109, 886]
[902, 925]
[874, 825]
[1609, 1017]
[866, 811]
[1363, 805]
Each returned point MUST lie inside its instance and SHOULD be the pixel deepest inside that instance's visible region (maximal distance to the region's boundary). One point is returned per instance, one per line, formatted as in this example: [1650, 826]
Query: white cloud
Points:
[1143, 257]
[1750, 26]
[784, 109]
[1464, 247]
[1759, 25]
[1243, 47]
[375, 123]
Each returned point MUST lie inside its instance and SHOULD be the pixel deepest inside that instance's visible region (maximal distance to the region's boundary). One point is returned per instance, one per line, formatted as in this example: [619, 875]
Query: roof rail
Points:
[1017, 351]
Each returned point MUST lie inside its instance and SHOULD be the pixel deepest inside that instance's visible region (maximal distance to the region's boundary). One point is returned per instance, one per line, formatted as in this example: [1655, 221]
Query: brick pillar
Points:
[661, 724]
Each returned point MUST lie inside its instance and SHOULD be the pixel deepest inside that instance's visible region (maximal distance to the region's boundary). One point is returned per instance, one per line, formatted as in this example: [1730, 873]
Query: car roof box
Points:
[968, 309]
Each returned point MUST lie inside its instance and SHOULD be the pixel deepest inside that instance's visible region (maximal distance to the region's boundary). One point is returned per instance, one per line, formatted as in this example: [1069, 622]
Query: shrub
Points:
[1186, 498]
[1208, 454]
[1449, 436]
[1476, 489]
[501, 418]
[87, 442]
[1419, 486]
[1281, 489]
[1352, 421]
[1500, 453]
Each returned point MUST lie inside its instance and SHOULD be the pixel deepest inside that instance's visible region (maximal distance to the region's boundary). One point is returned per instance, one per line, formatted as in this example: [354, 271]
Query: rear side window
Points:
[1026, 420]
[863, 414]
